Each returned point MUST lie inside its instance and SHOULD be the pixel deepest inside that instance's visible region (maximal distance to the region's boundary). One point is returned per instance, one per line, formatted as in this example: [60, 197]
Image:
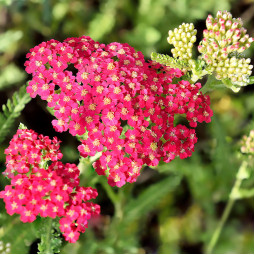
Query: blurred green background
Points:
[173, 208]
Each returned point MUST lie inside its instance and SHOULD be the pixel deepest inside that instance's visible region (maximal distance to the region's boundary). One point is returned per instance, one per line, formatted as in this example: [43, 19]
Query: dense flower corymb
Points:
[49, 191]
[120, 104]
[224, 39]
[182, 39]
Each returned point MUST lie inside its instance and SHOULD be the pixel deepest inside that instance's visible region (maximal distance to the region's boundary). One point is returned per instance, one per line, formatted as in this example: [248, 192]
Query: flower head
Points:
[46, 190]
[224, 39]
[182, 39]
[118, 103]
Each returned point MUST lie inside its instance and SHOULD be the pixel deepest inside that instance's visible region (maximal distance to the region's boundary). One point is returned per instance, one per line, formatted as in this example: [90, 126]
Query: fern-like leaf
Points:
[12, 110]
[169, 61]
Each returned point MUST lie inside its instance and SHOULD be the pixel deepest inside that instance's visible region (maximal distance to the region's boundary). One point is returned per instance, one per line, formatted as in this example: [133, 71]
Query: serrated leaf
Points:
[12, 110]
[49, 234]
[169, 61]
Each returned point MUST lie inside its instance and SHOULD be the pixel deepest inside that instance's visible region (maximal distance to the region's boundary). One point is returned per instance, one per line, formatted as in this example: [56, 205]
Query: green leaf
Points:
[149, 198]
[230, 85]
[169, 61]
[243, 172]
[12, 110]
[22, 126]
[8, 39]
[50, 236]
[242, 193]
[104, 21]
[211, 84]
[10, 76]
[20, 235]
[50, 110]
[251, 80]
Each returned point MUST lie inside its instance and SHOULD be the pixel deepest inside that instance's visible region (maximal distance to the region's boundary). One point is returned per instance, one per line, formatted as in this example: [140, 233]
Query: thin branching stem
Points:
[227, 210]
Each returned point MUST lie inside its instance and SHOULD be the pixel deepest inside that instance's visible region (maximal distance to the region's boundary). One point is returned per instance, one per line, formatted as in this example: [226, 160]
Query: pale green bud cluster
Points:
[237, 70]
[247, 143]
[225, 35]
[4, 247]
[182, 39]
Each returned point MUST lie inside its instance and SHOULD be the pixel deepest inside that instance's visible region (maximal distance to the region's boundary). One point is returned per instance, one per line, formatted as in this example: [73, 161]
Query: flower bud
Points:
[250, 40]
[205, 33]
[222, 29]
[235, 25]
[247, 143]
[182, 39]
[228, 23]
[225, 35]
[215, 27]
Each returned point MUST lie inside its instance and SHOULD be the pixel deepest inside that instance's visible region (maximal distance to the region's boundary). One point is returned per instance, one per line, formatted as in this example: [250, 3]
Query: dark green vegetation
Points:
[173, 208]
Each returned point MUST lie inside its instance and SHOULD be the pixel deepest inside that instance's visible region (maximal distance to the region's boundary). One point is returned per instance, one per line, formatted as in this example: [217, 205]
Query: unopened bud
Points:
[182, 40]
[228, 23]
[247, 143]
[224, 36]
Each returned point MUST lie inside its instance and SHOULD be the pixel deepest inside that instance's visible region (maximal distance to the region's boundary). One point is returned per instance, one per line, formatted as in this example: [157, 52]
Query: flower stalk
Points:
[241, 175]
[44, 246]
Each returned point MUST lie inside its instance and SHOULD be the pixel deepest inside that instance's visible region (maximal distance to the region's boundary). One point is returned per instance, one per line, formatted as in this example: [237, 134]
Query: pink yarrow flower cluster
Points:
[49, 191]
[121, 105]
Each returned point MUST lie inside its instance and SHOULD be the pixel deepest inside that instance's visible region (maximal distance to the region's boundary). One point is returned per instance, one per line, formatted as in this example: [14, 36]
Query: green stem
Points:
[45, 244]
[110, 193]
[219, 228]
[212, 83]
[48, 249]
[117, 200]
[119, 206]
[227, 209]
[205, 88]
[209, 85]
[88, 173]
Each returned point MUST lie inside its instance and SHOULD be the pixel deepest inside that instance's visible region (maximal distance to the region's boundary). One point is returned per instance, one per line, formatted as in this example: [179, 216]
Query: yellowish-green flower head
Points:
[182, 39]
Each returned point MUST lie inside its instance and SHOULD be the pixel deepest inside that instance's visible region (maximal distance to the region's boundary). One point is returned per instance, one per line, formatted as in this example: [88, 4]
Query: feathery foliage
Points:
[169, 61]
[12, 110]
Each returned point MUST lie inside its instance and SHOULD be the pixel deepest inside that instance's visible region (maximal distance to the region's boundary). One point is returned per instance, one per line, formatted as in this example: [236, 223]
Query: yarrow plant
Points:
[123, 110]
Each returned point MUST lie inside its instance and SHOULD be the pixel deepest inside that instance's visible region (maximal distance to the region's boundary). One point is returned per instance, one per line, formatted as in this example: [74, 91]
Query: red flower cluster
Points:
[28, 150]
[119, 103]
[48, 191]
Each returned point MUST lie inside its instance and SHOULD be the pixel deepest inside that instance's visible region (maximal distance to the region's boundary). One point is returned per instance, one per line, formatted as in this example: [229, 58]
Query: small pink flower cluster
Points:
[48, 191]
[122, 106]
